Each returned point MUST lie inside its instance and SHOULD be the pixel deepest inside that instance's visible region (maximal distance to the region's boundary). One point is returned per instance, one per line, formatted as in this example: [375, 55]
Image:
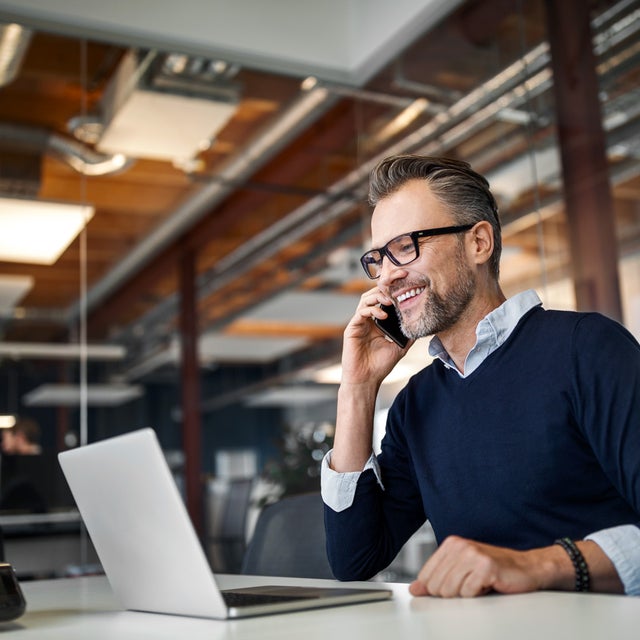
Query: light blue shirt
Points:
[620, 544]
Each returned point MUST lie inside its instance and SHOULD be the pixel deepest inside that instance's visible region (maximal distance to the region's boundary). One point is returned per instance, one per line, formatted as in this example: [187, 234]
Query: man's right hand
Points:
[368, 356]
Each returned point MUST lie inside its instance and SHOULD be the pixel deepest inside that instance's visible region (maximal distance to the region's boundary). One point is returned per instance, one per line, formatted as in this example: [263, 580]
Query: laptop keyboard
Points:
[239, 599]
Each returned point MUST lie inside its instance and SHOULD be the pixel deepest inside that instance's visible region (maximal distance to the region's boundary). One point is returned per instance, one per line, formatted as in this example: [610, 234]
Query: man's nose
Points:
[389, 272]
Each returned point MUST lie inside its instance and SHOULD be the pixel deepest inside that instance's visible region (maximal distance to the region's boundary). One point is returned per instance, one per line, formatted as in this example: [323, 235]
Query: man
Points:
[520, 442]
[22, 439]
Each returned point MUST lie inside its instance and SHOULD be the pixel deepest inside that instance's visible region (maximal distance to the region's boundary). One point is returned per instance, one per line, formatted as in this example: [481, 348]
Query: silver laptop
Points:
[148, 548]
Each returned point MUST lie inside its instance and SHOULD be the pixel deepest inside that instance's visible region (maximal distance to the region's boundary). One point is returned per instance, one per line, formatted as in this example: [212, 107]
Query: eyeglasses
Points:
[403, 249]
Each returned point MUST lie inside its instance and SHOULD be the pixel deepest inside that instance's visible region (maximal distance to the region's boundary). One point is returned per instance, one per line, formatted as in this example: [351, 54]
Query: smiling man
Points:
[520, 442]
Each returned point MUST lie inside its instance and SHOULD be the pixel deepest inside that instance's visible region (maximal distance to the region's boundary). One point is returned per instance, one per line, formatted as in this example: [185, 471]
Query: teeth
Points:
[410, 294]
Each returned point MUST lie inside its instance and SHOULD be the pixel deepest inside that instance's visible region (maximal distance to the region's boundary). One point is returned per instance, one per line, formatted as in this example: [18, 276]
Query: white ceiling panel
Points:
[292, 396]
[12, 290]
[312, 308]
[70, 395]
[216, 347]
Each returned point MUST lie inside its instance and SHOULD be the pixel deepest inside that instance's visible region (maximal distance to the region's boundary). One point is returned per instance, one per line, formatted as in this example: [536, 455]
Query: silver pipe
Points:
[82, 158]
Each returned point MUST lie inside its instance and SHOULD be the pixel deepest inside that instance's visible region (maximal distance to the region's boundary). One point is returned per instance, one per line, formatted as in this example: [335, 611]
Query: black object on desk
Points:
[12, 602]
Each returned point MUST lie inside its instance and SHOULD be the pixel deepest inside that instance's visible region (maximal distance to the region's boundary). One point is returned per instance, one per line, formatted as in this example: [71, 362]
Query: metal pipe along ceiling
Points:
[82, 158]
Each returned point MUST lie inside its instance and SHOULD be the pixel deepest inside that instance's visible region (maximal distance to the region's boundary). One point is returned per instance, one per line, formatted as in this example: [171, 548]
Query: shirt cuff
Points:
[622, 546]
[339, 489]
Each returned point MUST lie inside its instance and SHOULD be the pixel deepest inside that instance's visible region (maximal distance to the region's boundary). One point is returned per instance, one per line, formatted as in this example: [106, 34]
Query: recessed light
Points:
[38, 232]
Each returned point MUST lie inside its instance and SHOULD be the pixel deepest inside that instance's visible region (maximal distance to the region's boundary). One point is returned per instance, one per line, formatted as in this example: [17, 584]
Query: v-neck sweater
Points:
[540, 441]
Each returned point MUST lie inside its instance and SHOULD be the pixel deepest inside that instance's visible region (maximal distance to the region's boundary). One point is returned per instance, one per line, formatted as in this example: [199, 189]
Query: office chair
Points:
[289, 540]
[227, 542]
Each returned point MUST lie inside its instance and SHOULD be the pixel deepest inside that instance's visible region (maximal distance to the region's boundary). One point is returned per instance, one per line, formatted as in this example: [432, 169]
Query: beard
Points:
[441, 311]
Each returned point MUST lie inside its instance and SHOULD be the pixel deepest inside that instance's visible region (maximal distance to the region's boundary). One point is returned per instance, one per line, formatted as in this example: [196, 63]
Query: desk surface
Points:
[85, 608]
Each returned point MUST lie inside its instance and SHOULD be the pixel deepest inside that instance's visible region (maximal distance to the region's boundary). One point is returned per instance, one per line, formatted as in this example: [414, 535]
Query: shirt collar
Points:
[491, 332]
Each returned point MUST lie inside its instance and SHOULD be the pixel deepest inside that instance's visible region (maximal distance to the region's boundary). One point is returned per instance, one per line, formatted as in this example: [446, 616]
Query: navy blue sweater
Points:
[541, 441]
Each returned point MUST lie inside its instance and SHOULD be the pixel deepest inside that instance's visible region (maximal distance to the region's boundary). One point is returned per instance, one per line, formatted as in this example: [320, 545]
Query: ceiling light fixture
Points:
[38, 232]
[7, 421]
[14, 42]
[303, 396]
[69, 395]
[144, 120]
[61, 351]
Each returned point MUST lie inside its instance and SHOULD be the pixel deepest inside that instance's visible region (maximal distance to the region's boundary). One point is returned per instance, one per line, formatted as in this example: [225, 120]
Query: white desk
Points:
[84, 608]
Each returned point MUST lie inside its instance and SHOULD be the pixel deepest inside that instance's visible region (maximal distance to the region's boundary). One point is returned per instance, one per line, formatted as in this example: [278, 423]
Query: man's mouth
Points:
[412, 293]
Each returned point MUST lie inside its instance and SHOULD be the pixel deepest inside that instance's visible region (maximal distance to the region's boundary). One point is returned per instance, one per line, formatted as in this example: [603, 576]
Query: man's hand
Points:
[367, 355]
[367, 358]
[461, 567]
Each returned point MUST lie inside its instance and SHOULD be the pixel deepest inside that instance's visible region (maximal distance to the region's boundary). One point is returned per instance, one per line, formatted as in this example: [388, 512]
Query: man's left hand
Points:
[461, 567]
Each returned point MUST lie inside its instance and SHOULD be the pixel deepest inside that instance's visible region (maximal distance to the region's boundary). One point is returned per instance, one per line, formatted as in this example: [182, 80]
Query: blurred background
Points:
[183, 206]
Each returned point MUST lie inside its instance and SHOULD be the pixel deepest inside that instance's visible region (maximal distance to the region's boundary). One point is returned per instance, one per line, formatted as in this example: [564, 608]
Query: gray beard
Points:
[441, 312]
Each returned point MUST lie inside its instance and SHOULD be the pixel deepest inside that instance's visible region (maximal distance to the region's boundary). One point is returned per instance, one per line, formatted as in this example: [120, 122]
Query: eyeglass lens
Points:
[401, 250]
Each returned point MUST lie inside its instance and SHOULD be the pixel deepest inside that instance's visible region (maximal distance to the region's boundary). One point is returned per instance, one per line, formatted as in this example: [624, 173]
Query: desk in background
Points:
[46, 544]
[83, 608]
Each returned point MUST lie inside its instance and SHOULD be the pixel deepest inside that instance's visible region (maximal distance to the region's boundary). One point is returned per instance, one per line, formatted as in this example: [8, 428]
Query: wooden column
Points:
[190, 379]
[588, 199]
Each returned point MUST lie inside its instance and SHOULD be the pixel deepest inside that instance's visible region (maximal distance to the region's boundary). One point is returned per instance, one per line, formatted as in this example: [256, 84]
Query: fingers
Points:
[464, 568]
[370, 302]
[436, 577]
[367, 356]
[417, 588]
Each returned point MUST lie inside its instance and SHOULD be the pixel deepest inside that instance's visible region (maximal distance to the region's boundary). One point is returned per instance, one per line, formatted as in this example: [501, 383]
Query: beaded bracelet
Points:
[583, 579]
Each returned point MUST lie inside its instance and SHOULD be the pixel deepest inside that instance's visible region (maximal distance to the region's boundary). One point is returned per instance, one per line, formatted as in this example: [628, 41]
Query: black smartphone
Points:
[390, 326]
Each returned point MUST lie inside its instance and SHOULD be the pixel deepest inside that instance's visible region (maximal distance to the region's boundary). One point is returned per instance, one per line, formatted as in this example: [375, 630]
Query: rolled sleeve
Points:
[622, 546]
[339, 489]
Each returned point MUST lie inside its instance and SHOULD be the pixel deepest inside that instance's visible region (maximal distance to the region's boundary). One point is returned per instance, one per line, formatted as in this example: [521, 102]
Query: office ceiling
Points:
[272, 216]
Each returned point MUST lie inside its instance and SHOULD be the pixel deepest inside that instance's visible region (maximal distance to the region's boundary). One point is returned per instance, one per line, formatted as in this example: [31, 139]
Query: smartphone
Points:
[390, 326]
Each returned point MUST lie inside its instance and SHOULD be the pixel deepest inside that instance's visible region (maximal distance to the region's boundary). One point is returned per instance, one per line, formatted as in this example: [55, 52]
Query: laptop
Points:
[148, 547]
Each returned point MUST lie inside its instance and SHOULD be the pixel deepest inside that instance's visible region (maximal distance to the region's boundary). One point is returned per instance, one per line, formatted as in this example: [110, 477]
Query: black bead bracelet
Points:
[583, 579]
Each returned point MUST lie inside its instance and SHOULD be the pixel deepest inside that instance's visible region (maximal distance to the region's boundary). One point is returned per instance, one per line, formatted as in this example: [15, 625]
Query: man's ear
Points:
[481, 242]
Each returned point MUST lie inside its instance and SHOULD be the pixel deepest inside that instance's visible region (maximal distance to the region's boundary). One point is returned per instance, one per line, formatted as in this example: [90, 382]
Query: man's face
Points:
[432, 292]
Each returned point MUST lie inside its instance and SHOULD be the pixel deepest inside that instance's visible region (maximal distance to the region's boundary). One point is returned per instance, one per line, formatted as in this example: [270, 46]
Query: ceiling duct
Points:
[14, 42]
[166, 107]
[24, 140]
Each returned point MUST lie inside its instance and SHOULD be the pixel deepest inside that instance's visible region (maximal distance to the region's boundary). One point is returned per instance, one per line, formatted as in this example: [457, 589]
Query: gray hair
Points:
[463, 191]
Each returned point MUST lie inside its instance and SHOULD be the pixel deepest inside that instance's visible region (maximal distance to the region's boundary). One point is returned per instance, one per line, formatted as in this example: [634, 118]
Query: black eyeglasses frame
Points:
[415, 236]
